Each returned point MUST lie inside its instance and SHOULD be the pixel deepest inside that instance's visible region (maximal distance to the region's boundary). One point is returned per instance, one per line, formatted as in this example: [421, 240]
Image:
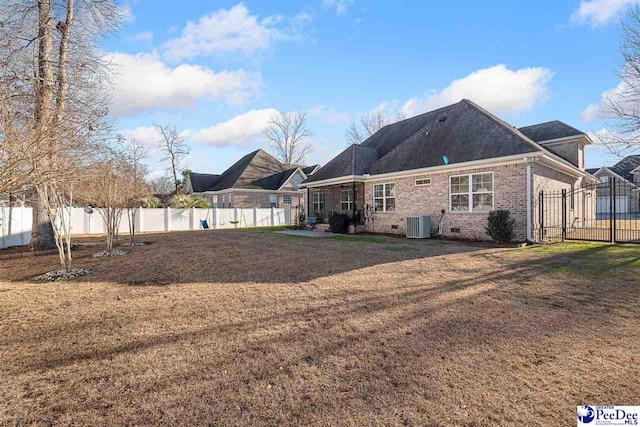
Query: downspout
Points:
[529, 207]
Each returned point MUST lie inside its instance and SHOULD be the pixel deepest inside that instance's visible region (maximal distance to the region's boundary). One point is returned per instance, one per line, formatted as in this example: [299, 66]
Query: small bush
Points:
[185, 201]
[150, 202]
[500, 225]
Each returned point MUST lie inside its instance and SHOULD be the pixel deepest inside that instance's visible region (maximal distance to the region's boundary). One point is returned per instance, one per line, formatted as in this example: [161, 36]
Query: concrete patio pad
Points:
[307, 233]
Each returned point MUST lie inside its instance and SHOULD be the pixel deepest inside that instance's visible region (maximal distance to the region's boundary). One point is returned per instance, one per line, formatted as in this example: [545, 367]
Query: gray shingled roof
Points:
[550, 130]
[462, 132]
[309, 169]
[256, 170]
[202, 181]
[625, 166]
[592, 170]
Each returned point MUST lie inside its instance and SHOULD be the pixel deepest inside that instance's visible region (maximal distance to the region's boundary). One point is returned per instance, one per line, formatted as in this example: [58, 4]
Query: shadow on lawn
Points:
[239, 257]
[481, 336]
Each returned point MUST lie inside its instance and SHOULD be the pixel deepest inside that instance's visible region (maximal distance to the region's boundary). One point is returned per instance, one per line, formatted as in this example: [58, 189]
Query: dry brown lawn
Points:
[251, 328]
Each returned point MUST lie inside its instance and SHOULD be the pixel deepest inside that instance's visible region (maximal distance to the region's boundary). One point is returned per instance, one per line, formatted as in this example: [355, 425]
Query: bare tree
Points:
[622, 106]
[161, 185]
[57, 93]
[175, 149]
[287, 133]
[370, 123]
[135, 187]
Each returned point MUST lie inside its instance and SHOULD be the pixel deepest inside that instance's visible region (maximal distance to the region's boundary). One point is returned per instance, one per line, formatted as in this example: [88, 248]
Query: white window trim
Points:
[425, 178]
[320, 200]
[349, 200]
[470, 192]
[384, 197]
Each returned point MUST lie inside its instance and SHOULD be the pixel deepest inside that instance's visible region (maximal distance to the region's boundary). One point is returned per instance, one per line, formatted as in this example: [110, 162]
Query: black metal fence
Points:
[606, 212]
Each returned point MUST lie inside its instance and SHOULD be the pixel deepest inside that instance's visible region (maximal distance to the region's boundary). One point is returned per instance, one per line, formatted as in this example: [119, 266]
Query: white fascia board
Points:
[584, 137]
[484, 163]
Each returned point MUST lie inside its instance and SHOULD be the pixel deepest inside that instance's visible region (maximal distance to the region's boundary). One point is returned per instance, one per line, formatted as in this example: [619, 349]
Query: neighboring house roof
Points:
[550, 130]
[309, 170]
[257, 170]
[462, 132]
[592, 170]
[202, 181]
[625, 167]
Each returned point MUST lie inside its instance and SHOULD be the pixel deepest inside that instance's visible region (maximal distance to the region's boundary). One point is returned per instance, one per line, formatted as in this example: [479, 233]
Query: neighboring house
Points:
[456, 164]
[257, 180]
[626, 174]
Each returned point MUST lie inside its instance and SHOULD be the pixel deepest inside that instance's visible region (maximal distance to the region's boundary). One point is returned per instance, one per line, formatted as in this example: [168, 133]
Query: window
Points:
[384, 197]
[423, 182]
[471, 193]
[286, 199]
[603, 179]
[346, 200]
[297, 180]
[273, 200]
[318, 202]
[573, 196]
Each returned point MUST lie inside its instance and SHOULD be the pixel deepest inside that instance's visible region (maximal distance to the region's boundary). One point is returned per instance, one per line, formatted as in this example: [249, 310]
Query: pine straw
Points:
[242, 328]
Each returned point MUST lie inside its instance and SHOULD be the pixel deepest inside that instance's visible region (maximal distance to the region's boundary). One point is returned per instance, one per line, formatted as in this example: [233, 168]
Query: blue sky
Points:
[219, 69]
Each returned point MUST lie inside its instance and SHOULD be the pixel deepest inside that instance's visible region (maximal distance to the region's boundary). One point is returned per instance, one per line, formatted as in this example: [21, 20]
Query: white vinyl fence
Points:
[15, 223]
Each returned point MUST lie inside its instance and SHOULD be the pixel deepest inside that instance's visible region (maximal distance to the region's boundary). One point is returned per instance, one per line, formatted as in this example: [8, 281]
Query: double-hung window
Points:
[286, 199]
[471, 193]
[346, 200]
[318, 202]
[384, 197]
[273, 200]
[297, 180]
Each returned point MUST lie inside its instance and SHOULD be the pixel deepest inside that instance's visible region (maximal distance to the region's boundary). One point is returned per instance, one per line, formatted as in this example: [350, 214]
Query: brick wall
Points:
[260, 199]
[509, 193]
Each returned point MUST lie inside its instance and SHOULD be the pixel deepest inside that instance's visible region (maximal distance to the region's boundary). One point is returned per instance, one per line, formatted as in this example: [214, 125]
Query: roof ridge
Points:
[542, 123]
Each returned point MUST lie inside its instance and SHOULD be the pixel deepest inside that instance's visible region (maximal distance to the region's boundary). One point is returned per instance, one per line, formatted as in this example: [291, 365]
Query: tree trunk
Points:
[42, 236]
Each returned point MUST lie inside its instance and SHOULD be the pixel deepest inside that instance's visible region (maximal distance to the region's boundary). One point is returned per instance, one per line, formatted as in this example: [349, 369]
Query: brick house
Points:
[257, 180]
[456, 164]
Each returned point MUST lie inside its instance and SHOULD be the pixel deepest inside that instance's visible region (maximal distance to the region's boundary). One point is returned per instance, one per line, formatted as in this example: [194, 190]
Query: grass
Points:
[269, 229]
[593, 259]
[228, 328]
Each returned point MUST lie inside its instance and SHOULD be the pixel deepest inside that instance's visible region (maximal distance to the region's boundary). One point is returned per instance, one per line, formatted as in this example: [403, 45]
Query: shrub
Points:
[500, 226]
[185, 201]
[150, 202]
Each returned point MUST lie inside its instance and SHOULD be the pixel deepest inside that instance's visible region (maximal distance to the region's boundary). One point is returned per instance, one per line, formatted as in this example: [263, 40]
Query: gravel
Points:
[56, 275]
[114, 252]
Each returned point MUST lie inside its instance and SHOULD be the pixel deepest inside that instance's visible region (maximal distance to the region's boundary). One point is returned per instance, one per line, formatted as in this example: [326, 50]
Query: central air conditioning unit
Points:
[419, 227]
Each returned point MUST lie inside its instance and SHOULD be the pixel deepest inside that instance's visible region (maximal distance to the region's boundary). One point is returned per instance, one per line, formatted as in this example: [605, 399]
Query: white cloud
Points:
[147, 136]
[329, 115]
[225, 30]
[499, 89]
[339, 5]
[240, 130]
[144, 82]
[600, 12]
[127, 12]
[143, 36]
[595, 112]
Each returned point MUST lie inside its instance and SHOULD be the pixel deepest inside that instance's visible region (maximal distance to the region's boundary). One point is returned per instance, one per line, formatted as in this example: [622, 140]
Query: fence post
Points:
[192, 219]
[167, 219]
[273, 216]
[564, 214]
[215, 218]
[542, 215]
[611, 203]
[614, 211]
[255, 217]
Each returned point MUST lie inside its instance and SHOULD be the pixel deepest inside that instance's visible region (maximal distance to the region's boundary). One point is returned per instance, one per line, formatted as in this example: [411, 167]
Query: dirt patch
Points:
[247, 328]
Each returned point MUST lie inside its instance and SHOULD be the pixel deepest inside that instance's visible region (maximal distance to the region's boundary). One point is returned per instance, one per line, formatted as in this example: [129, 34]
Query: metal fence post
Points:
[611, 236]
[615, 212]
[564, 214]
[541, 215]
